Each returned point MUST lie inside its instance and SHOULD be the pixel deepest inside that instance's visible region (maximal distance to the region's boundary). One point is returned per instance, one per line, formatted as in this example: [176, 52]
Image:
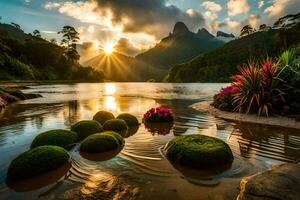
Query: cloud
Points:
[50, 5]
[235, 26]
[236, 7]
[124, 46]
[281, 8]
[212, 6]
[143, 23]
[211, 15]
[261, 4]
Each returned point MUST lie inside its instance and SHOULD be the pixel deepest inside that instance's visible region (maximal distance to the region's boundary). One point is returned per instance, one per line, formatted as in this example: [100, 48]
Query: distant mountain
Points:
[220, 64]
[225, 37]
[180, 46]
[119, 67]
[287, 21]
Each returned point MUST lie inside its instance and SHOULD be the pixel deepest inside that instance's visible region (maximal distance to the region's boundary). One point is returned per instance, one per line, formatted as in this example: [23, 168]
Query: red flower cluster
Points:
[228, 90]
[159, 114]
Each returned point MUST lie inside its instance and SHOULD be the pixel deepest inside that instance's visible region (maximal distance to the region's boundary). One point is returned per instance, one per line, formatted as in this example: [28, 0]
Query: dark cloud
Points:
[124, 46]
[151, 16]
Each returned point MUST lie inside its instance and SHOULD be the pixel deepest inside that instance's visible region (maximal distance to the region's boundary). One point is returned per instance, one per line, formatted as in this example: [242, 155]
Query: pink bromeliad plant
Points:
[159, 114]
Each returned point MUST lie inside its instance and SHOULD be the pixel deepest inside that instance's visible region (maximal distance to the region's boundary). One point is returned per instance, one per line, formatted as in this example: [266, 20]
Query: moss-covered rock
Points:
[198, 151]
[86, 128]
[103, 116]
[129, 119]
[37, 161]
[102, 142]
[58, 137]
[116, 125]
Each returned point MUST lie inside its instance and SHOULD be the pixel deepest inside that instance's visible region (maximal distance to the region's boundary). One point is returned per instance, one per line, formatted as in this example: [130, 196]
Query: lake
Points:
[140, 170]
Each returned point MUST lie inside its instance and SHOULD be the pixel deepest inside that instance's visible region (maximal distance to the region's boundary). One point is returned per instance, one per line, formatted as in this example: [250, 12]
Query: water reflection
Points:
[140, 163]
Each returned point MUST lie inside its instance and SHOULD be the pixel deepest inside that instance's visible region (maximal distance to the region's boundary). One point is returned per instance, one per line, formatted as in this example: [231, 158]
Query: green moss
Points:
[129, 119]
[103, 116]
[198, 151]
[58, 137]
[116, 125]
[37, 161]
[86, 128]
[101, 142]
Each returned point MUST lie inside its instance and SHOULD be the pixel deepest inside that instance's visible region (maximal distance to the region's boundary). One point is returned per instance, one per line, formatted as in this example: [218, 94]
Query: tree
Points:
[16, 25]
[37, 33]
[53, 41]
[247, 30]
[70, 38]
[264, 27]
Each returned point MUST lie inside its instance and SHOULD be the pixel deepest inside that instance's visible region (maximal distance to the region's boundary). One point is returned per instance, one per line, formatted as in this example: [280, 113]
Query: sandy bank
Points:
[250, 118]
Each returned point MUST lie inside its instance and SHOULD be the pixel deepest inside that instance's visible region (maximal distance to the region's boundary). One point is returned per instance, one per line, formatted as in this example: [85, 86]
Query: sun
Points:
[108, 48]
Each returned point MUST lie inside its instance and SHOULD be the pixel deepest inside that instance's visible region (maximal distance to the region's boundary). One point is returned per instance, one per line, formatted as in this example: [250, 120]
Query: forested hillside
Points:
[30, 57]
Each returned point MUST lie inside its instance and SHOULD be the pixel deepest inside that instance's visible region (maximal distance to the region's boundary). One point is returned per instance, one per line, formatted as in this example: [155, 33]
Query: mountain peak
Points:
[204, 33]
[180, 28]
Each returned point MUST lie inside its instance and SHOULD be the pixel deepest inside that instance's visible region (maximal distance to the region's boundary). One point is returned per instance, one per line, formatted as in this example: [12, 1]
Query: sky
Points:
[136, 25]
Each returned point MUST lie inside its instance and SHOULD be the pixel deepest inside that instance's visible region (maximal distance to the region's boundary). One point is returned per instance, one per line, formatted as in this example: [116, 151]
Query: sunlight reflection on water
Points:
[141, 163]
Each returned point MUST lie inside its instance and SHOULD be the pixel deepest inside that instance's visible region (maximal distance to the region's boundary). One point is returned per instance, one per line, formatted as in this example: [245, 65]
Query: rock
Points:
[282, 182]
[129, 119]
[58, 137]
[103, 116]
[116, 125]
[198, 151]
[102, 142]
[36, 162]
[86, 128]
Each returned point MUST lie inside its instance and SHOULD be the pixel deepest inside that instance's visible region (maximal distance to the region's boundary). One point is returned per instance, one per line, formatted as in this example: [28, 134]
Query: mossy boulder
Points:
[36, 162]
[198, 151]
[130, 119]
[102, 142]
[103, 116]
[58, 137]
[86, 128]
[116, 125]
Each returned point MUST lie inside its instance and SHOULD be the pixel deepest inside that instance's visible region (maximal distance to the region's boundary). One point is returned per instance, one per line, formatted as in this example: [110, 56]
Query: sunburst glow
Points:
[108, 48]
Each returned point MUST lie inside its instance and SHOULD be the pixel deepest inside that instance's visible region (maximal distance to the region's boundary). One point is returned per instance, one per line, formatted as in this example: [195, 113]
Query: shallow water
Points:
[140, 170]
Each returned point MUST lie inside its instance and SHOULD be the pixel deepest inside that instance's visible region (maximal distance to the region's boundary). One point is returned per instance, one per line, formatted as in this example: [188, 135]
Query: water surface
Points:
[140, 170]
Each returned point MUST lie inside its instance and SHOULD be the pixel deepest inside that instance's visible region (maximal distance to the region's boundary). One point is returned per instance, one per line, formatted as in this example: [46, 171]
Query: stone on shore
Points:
[282, 182]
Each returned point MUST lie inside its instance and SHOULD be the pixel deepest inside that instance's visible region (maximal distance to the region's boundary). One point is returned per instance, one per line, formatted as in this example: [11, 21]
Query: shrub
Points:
[36, 162]
[58, 137]
[86, 127]
[101, 142]
[129, 119]
[224, 99]
[116, 125]
[103, 116]
[159, 114]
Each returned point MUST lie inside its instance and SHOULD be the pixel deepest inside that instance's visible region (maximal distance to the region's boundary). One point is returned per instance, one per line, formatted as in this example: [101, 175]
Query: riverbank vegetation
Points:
[30, 57]
[269, 87]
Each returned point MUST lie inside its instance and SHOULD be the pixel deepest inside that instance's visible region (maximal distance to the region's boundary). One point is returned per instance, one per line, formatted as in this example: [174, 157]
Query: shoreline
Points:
[249, 118]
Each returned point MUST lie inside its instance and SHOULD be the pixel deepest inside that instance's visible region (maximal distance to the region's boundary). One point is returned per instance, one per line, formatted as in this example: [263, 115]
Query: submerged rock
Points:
[103, 116]
[36, 162]
[130, 119]
[13, 95]
[116, 125]
[102, 142]
[198, 151]
[58, 137]
[86, 128]
[282, 182]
